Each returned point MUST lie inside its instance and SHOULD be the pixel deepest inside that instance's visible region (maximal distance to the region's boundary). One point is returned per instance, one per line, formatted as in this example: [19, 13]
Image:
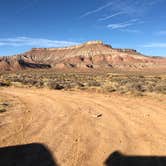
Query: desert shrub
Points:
[141, 76]
[109, 89]
[2, 84]
[137, 93]
[136, 86]
[150, 87]
[161, 87]
[94, 83]
[5, 83]
[39, 84]
[124, 83]
[32, 82]
[2, 110]
[80, 84]
[55, 85]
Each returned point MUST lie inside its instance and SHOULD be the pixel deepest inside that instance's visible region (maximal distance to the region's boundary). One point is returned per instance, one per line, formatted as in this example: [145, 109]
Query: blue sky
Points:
[137, 24]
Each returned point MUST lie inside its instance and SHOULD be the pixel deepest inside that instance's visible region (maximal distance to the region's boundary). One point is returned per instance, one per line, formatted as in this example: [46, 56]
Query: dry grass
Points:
[105, 82]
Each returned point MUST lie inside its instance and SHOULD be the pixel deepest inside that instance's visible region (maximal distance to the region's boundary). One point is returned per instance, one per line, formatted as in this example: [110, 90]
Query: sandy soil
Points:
[67, 123]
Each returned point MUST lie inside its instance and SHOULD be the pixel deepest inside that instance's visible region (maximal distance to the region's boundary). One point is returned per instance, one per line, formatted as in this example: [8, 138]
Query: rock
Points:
[97, 116]
[90, 55]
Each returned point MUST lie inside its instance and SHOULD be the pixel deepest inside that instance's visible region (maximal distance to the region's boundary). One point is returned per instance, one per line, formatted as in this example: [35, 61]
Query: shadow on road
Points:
[118, 159]
[34, 154]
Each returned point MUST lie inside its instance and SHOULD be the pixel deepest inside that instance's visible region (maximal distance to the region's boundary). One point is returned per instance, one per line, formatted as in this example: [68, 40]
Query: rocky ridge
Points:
[90, 55]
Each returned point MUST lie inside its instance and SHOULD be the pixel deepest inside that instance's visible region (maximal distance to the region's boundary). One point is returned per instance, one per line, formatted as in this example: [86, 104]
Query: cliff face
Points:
[93, 54]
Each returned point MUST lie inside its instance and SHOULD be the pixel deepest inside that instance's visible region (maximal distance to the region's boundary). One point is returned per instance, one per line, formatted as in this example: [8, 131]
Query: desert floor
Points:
[84, 128]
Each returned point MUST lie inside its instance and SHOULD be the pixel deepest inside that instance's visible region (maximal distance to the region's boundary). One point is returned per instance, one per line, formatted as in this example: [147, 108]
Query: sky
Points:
[136, 24]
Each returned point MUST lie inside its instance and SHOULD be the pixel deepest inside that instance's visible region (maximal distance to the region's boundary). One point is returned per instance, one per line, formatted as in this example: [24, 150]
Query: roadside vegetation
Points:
[102, 82]
[3, 105]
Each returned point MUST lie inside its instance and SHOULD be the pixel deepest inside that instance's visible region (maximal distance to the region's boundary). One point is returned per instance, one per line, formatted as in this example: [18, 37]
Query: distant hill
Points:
[90, 55]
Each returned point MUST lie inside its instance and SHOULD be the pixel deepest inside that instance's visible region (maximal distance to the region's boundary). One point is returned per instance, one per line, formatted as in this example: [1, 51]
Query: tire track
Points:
[66, 122]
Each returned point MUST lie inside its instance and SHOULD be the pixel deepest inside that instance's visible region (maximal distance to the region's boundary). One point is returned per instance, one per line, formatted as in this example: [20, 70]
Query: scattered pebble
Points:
[97, 116]
[148, 115]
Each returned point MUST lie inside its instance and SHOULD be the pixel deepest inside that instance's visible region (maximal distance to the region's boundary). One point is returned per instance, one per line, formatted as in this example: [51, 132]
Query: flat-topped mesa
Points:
[90, 55]
[56, 48]
[69, 47]
[94, 42]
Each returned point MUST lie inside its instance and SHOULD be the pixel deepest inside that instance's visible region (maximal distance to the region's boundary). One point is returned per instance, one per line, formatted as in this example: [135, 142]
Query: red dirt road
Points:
[67, 123]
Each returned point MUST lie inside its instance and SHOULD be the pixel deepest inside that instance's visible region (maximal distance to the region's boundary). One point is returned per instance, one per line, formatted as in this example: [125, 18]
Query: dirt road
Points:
[83, 129]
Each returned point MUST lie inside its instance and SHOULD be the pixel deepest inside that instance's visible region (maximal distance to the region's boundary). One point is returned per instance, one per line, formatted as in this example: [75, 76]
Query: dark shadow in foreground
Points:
[26, 155]
[118, 159]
